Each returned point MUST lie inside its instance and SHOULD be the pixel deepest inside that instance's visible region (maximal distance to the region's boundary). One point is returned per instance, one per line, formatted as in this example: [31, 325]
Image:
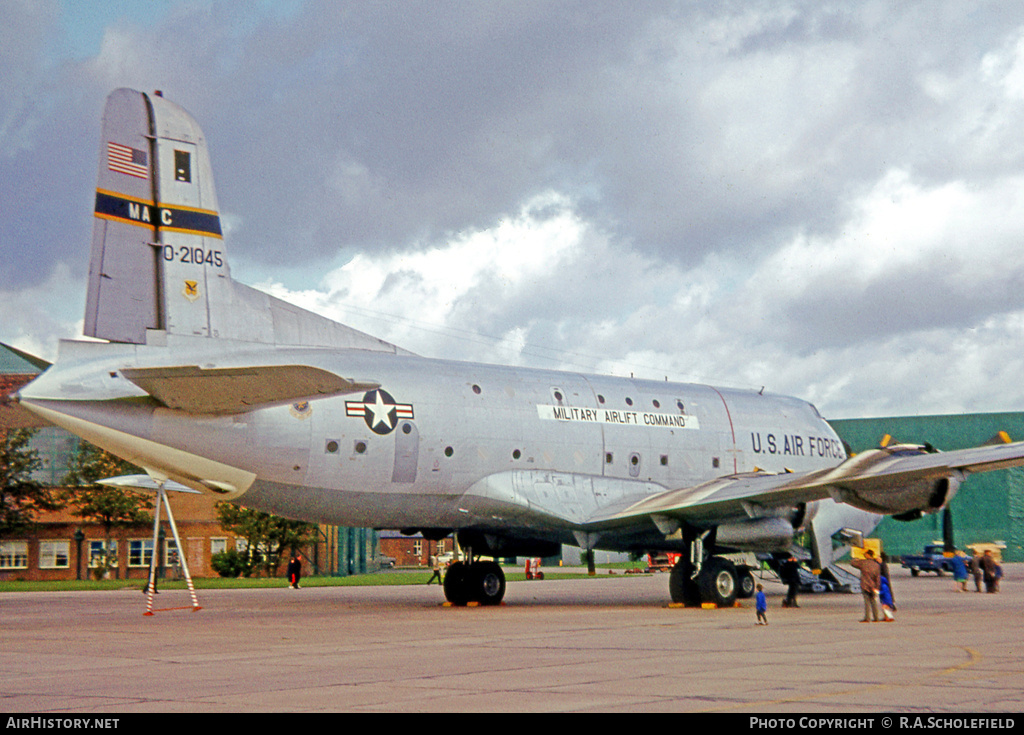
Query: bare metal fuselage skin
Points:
[440, 444]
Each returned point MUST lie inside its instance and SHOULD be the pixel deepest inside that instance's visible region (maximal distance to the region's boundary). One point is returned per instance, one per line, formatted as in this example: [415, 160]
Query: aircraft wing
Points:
[896, 480]
[236, 390]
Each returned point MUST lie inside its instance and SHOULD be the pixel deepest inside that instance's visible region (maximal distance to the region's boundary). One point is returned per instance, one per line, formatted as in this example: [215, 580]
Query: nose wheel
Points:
[482, 582]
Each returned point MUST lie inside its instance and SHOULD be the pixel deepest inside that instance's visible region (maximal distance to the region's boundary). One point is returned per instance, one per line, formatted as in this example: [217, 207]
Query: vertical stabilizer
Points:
[158, 256]
[156, 224]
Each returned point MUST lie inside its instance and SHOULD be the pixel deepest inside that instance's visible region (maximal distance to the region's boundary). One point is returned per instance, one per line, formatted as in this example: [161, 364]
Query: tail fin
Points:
[159, 260]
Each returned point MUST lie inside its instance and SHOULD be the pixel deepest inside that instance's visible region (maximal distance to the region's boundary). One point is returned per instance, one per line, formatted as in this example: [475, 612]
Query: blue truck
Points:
[933, 559]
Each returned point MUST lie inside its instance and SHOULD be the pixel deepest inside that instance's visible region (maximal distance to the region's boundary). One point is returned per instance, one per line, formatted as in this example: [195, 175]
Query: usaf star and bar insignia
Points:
[380, 411]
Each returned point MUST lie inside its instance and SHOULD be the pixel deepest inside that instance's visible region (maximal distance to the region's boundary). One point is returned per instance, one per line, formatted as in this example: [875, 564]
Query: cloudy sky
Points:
[822, 198]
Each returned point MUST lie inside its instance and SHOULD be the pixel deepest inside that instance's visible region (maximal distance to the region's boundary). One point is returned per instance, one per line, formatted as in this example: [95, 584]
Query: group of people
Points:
[876, 589]
[983, 567]
[879, 602]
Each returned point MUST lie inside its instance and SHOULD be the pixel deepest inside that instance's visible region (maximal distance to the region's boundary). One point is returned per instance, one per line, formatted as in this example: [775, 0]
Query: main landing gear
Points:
[717, 582]
[482, 582]
[714, 580]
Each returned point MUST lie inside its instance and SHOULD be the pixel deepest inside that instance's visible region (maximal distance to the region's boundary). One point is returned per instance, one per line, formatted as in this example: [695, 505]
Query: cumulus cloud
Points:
[823, 199]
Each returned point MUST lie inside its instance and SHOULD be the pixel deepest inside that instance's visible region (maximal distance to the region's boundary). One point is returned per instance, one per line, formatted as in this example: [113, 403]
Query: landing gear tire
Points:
[747, 584]
[456, 584]
[481, 582]
[488, 581]
[682, 587]
[718, 582]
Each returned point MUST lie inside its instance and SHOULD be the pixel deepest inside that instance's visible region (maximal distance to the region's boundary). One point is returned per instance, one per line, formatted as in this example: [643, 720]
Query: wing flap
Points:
[239, 389]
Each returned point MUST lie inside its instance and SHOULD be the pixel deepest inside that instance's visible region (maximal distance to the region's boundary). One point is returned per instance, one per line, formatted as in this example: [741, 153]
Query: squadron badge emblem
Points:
[191, 290]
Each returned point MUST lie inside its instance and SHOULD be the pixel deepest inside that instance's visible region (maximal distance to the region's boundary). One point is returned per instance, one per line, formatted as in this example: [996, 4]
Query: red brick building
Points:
[411, 551]
[63, 546]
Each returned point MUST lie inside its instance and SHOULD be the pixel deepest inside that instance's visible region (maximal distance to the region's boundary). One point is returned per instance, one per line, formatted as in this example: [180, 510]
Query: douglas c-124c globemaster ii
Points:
[209, 384]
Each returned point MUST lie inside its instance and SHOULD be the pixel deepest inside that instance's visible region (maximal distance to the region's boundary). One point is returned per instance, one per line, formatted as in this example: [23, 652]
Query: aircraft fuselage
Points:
[413, 452]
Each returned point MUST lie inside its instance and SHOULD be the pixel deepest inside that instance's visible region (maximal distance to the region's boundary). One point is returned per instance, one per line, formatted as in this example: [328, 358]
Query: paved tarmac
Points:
[558, 645]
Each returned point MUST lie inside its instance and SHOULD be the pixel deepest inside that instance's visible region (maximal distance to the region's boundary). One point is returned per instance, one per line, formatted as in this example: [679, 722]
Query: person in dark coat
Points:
[295, 571]
[790, 574]
[885, 574]
[989, 567]
[976, 571]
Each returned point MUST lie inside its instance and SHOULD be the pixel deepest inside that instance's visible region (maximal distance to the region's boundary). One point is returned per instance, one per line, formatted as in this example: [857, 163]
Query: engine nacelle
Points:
[760, 534]
[766, 529]
[904, 502]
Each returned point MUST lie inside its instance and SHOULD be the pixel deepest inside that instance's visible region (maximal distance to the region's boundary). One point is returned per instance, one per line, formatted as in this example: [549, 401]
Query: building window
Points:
[140, 552]
[417, 548]
[13, 554]
[98, 552]
[54, 554]
[218, 545]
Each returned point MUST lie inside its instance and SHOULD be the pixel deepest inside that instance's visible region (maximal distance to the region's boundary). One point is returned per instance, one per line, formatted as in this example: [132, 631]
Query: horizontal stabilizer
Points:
[238, 390]
[145, 482]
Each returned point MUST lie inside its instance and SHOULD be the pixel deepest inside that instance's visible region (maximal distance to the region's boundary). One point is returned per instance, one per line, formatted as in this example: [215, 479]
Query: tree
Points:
[267, 536]
[21, 497]
[111, 507]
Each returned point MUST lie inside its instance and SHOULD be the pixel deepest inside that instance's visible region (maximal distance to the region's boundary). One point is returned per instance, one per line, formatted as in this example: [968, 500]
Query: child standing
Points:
[762, 606]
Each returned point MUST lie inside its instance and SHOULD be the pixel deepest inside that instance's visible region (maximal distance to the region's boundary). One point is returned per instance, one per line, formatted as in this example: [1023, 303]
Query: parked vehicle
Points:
[934, 559]
[661, 562]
